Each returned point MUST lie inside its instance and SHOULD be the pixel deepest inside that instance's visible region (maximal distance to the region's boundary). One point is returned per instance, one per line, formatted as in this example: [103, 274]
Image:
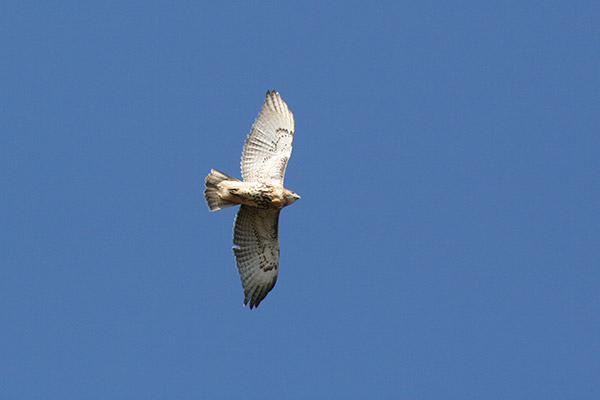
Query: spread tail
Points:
[213, 198]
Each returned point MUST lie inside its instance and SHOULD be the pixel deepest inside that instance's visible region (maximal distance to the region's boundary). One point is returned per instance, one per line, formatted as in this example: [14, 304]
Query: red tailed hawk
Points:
[261, 195]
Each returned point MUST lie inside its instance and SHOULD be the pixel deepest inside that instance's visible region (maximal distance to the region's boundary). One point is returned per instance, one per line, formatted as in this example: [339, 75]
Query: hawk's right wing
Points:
[269, 144]
[257, 251]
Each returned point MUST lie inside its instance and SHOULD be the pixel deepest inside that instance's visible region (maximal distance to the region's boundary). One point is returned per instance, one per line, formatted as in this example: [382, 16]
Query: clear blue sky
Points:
[446, 245]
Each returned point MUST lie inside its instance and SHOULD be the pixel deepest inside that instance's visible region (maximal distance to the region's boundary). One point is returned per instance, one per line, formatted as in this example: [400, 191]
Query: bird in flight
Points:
[261, 194]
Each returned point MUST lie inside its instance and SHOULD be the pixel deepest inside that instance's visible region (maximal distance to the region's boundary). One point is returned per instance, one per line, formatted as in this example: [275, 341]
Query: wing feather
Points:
[268, 146]
[257, 251]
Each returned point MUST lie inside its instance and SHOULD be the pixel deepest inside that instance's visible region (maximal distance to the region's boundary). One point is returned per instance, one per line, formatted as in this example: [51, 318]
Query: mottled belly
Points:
[258, 195]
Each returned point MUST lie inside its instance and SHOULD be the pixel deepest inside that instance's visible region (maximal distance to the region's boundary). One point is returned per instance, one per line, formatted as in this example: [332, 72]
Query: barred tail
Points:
[213, 198]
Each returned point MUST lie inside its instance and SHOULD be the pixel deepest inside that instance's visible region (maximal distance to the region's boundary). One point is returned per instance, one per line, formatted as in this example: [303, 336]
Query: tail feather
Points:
[213, 198]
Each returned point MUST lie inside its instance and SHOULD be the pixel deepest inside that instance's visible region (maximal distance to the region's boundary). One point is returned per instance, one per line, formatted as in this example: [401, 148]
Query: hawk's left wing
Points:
[269, 144]
[257, 251]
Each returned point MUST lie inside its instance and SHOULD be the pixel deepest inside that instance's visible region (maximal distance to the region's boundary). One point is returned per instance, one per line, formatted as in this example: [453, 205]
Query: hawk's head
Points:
[290, 197]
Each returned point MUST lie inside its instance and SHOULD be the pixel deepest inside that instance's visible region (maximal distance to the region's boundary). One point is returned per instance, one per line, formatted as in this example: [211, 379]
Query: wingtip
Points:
[253, 299]
[252, 304]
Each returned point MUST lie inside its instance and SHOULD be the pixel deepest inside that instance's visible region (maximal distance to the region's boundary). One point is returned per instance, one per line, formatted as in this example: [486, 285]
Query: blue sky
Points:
[445, 246]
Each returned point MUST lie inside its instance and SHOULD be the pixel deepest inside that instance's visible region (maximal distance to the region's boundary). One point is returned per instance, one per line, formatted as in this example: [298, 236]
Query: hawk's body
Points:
[262, 196]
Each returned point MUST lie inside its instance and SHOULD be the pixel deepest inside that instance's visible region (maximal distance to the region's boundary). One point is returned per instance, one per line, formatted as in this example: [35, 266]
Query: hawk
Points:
[261, 194]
